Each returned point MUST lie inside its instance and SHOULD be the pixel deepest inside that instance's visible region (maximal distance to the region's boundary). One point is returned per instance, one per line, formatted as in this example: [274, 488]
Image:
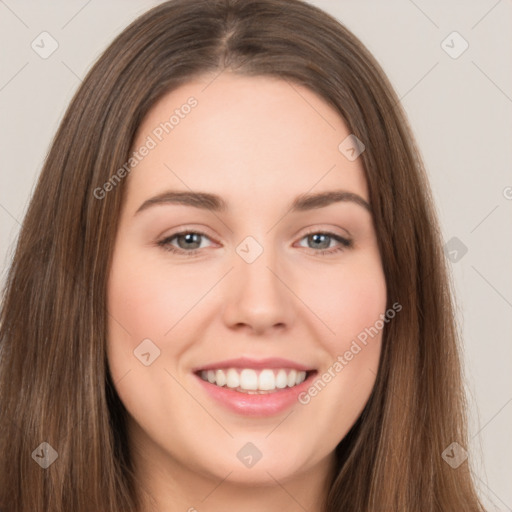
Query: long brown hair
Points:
[55, 386]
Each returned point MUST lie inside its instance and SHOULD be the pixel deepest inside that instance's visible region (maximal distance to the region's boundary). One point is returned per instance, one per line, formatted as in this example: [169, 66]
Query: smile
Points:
[251, 381]
[254, 387]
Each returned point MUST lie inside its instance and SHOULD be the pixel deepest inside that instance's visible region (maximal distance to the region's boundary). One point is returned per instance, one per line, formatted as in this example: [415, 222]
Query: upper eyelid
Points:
[187, 228]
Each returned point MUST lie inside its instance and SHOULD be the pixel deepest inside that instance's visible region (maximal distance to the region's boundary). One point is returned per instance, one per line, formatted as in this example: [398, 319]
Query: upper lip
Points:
[247, 362]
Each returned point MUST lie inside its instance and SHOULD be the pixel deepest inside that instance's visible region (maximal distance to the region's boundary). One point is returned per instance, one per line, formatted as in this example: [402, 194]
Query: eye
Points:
[189, 242]
[322, 240]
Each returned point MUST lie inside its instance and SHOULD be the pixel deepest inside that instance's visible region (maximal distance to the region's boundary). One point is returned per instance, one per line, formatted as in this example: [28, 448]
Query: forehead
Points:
[231, 133]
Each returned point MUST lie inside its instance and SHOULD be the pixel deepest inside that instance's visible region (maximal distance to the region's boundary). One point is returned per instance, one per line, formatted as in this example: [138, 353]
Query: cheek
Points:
[352, 311]
[348, 300]
[142, 305]
[147, 301]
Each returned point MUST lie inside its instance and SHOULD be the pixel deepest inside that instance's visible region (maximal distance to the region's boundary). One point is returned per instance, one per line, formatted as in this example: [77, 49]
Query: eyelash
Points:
[345, 243]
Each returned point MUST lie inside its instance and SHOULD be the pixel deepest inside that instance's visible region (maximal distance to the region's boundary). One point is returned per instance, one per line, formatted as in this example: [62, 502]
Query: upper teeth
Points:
[254, 380]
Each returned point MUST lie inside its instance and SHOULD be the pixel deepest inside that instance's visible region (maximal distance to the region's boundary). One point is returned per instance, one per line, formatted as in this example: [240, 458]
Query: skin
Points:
[258, 142]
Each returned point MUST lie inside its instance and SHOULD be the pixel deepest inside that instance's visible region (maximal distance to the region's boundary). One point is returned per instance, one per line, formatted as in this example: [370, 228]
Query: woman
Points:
[258, 370]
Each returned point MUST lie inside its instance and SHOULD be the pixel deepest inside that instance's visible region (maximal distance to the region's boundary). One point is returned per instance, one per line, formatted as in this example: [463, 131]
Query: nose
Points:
[259, 299]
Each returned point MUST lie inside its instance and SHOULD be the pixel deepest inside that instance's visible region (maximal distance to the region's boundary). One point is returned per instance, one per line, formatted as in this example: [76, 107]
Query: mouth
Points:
[257, 388]
[252, 381]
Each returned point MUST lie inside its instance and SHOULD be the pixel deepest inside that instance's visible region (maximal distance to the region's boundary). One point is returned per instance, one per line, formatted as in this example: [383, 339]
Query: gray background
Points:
[460, 111]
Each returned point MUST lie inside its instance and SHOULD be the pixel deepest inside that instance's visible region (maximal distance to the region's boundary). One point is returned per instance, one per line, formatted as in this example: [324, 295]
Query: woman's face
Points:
[253, 280]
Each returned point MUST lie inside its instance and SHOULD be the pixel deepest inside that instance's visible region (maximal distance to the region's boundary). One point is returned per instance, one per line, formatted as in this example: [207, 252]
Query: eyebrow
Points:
[215, 203]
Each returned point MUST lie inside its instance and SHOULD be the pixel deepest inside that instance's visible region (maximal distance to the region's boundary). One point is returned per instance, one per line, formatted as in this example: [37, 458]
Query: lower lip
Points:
[268, 404]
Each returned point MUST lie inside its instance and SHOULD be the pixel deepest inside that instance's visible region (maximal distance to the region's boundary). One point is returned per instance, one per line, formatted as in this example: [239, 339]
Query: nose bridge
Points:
[257, 295]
